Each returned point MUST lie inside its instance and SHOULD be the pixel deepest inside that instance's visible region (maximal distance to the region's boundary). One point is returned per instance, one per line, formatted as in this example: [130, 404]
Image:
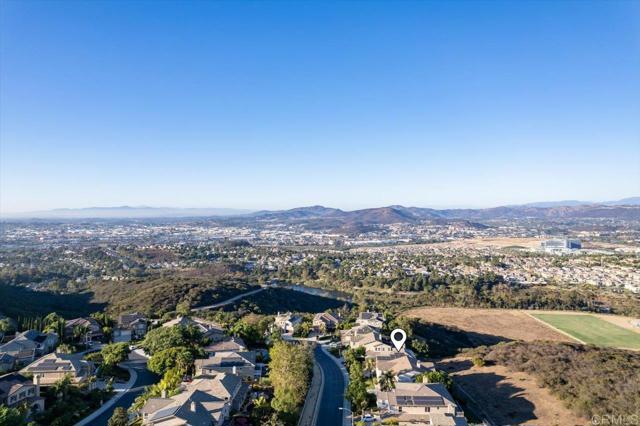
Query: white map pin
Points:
[398, 337]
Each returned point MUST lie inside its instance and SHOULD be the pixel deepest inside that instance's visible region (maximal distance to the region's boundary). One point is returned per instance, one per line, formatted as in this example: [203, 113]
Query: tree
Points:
[357, 389]
[163, 338]
[179, 357]
[80, 332]
[420, 347]
[119, 418]
[387, 381]
[261, 410]
[183, 308]
[290, 368]
[437, 376]
[11, 416]
[114, 354]
[5, 327]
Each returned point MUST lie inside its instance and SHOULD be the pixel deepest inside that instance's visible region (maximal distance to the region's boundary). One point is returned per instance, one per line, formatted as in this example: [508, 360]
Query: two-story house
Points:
[53, 367]
[325, 321]
[83, 330]
[420, 404]
[130, 327]
[242, 364]
[203, 402]
[17, 390]
[372, 319]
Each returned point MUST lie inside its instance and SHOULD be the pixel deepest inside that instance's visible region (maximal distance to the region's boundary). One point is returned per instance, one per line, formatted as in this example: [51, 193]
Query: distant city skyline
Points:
[274, 105]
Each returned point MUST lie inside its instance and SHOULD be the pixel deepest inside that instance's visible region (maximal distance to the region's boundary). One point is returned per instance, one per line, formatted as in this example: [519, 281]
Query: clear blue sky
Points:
[346, 104]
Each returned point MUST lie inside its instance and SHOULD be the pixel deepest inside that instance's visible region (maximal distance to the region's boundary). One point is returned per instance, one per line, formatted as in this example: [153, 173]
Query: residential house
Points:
[92, 331]
[242, 364]
[228, 344]
[287, 322]
[404, 366]
[420, 404]
[378, 348]
[17, 390]
[130, 326]
[206, 401]
[359, 336]
[53, 367]
[7, 362]
[28, 345]
[372, 319]
[210, 330]
[325, 321]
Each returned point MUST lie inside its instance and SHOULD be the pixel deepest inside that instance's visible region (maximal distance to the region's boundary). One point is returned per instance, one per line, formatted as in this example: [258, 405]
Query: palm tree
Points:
[387, 381]
[370, 365]
[80, 333]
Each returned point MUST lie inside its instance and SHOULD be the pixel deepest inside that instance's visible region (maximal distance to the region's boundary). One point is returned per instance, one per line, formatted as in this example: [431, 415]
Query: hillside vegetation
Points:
[591, 381]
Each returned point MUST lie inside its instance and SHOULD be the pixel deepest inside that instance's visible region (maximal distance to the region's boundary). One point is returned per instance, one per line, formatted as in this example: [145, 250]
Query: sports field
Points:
[591, 329]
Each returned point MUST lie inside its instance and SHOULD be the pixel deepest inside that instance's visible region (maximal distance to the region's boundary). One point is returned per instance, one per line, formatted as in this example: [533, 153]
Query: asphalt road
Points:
[145, 378]
[332, 393]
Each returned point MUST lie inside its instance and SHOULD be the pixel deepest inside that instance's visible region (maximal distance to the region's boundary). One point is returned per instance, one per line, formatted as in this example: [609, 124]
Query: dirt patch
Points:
[505, 397]
[483, 324]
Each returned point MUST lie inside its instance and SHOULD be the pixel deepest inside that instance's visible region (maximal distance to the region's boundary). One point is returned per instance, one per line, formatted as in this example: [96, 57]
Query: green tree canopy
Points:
[179, 357]
[290, 368]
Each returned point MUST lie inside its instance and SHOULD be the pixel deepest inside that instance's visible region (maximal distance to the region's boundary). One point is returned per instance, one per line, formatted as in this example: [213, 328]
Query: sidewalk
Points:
[119, 389]
[309, 412]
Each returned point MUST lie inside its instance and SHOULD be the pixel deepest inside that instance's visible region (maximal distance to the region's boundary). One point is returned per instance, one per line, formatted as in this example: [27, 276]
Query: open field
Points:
[507, 397]
[485, 326]
[591, 329]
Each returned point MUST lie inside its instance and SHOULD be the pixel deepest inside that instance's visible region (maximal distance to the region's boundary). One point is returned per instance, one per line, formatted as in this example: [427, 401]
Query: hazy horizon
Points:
[273, 105]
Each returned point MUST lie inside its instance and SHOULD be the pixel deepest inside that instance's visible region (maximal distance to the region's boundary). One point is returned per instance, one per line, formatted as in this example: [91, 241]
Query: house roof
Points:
[399, 363]
[418, 395]
[234, 344]
[228, 359]
[128, 319]
[199, 402]
[10, 383]
[325, 317]
[58, 362]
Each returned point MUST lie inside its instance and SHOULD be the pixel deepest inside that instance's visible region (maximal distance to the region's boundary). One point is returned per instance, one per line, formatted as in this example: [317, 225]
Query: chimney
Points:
[36, 381]
[163, 393]
[192, 406]
[234, 370]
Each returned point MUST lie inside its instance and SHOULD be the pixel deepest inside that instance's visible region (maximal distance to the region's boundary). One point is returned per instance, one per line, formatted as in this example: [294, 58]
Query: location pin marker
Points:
[398, 337]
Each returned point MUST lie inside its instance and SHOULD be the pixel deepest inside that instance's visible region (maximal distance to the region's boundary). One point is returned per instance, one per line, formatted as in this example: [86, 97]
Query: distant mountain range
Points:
[325, 217]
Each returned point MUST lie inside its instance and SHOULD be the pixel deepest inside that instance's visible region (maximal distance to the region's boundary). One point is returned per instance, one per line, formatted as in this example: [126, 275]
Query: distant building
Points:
[561, 245]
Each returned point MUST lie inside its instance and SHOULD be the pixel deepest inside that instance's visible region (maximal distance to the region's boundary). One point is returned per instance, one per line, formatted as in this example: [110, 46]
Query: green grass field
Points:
[592, 330]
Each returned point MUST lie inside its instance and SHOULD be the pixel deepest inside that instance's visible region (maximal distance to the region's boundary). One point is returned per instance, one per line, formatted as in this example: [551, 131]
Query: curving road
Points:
[145, 378]
[332, 395]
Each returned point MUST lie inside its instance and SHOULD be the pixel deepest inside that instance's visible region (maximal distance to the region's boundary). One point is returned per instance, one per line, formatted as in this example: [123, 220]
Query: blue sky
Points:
[346, 104]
